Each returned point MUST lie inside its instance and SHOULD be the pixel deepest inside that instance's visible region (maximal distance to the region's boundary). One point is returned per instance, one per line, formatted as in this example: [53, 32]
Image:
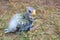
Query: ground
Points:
[45, 27]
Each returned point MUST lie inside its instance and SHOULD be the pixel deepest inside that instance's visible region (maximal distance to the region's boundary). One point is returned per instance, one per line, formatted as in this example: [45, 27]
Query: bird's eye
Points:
[29, 11]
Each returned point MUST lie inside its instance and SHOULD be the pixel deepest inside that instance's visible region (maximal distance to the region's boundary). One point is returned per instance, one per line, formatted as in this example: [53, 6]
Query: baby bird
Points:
[21, 22]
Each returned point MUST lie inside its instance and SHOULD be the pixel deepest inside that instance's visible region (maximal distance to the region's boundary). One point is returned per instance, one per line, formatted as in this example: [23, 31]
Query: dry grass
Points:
[47, 23]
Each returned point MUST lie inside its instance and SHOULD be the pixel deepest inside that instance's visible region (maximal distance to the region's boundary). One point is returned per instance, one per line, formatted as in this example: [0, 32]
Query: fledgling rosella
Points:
[22, 21]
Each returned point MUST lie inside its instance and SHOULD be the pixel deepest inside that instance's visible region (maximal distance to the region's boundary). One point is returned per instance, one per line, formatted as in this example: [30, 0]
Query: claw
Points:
[6, 31]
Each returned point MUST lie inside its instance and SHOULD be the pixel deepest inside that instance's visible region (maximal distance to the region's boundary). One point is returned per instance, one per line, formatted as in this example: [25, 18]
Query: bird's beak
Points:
[34, 13]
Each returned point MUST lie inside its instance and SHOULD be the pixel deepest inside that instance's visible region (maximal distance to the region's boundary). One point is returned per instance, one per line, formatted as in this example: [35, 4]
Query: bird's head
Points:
[31, 11]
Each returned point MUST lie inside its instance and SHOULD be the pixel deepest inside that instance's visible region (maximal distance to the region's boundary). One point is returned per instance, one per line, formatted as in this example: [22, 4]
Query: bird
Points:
[22, 21]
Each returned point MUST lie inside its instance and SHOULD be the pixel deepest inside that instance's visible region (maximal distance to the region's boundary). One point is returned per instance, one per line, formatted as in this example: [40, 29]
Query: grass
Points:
[46, 25]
